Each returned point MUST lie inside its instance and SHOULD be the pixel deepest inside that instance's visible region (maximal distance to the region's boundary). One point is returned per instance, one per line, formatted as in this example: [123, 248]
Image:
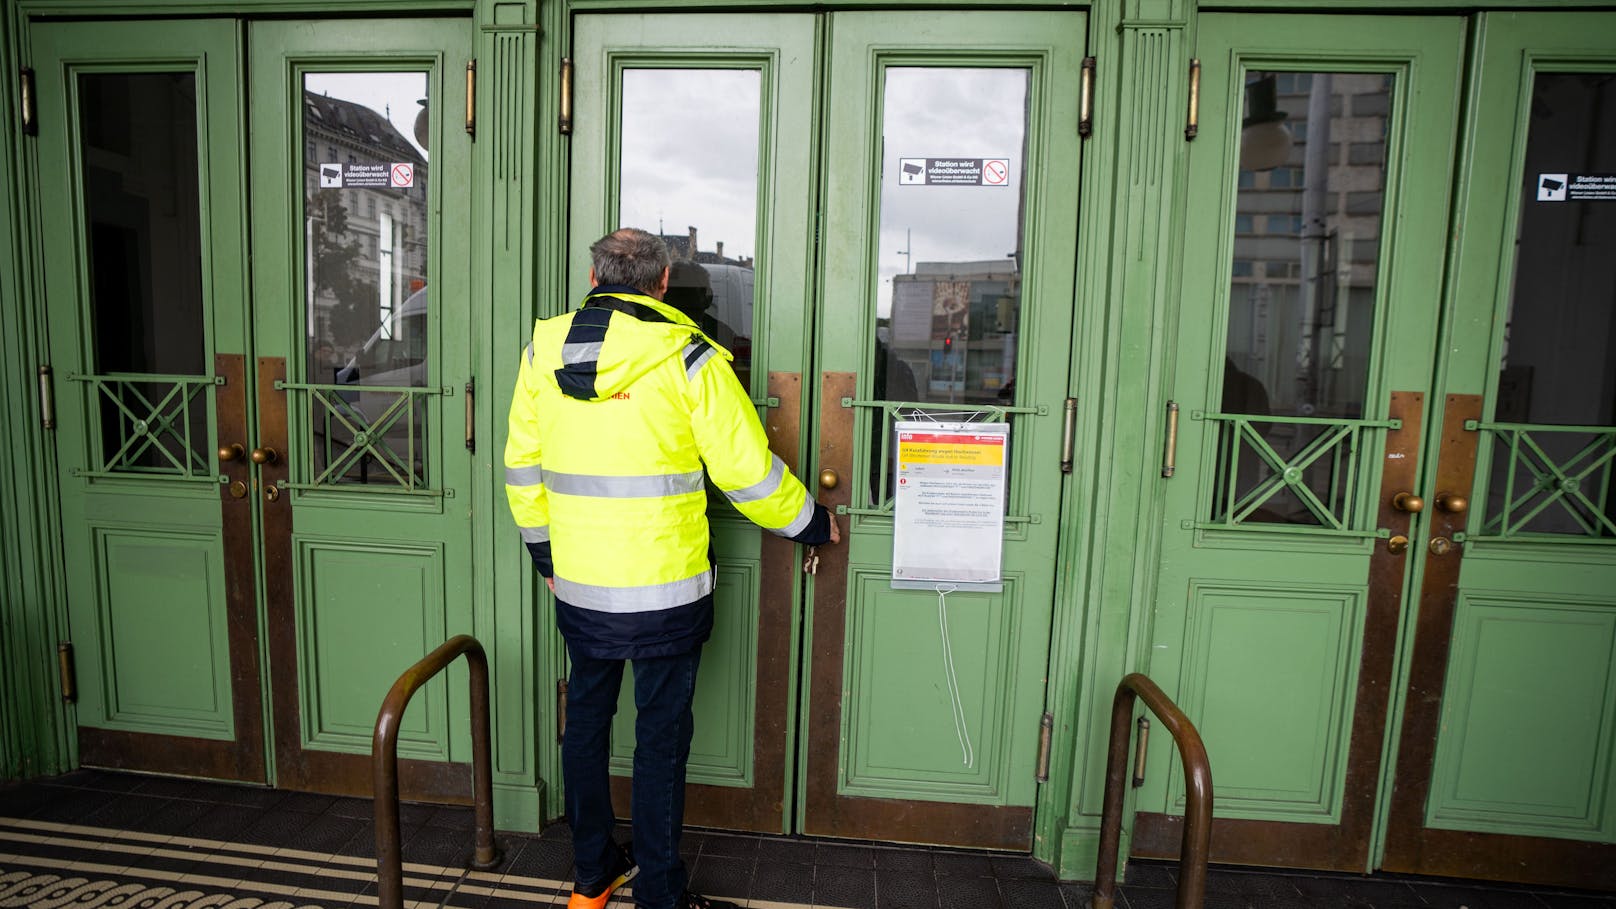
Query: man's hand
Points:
[835, 532]
[550, 583]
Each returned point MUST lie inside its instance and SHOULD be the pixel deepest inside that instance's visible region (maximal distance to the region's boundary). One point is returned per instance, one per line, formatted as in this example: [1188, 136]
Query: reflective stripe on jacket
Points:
[618, 408]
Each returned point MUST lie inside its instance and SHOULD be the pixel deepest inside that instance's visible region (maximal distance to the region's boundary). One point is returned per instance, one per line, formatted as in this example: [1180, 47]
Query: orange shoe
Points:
[623, 870]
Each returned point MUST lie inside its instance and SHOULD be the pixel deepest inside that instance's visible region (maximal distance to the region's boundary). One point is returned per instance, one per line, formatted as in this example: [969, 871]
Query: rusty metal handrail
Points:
[384, 765]
[1197, 845]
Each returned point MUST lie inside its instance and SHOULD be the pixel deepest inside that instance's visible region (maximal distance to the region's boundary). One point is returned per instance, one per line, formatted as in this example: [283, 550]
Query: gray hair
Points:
[630, 256]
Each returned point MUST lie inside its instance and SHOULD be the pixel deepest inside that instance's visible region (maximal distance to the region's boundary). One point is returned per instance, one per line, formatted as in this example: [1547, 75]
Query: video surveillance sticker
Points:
[1576, 187]
[367, 176]
[953, 171]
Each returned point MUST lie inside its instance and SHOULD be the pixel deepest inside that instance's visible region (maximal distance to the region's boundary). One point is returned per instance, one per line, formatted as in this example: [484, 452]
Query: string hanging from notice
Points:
[955, 703]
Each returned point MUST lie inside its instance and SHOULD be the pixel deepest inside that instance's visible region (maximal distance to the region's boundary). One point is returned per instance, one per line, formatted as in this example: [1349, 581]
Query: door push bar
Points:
[1197, 845]
[384, 765]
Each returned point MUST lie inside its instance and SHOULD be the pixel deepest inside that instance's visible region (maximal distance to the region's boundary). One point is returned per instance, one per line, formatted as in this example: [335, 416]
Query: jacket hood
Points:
[617, 336]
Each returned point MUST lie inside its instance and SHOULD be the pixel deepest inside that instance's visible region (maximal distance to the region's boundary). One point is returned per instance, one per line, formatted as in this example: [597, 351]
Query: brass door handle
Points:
[828, 478]
[1409, 502]
[231, 452]
[1451, 503]
[264, 455]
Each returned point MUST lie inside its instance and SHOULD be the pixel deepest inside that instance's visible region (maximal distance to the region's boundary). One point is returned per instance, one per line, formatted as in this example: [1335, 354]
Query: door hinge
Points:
[1141, 752]
[564, 121]
[1068, 432]
[28, 108]
[64, 663]
[1046, 732]
[1170, 444]
[471, 98]
[471, 415]
[1192, 124]
[561, 709]
[47, 399]
[1085, 104]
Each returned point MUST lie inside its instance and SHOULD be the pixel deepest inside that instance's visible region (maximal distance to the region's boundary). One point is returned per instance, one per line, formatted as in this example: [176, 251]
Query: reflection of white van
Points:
[396, 352]
[732, 300]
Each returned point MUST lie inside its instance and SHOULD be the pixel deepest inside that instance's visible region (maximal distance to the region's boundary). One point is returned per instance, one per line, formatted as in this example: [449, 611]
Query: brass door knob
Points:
[828, 479]
[231, 452]
[1409, 502]
[1441, 546]
[1397, 544]
[1453, 504]
[263, 455]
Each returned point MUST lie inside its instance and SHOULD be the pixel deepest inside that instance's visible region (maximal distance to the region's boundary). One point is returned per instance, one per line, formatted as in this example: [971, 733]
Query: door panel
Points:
[1318, 187]
[943, 297]
[145, 285]
[692, 128]
[361, 172]
[1504, 765]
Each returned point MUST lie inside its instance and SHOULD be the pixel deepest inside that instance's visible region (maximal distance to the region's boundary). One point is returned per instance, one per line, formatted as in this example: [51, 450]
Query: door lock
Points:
[238, 490]
[1397, 545]
[272, 493]
[1441, 546]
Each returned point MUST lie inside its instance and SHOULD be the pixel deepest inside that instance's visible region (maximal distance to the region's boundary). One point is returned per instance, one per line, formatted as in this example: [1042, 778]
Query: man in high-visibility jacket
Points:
[618, 408]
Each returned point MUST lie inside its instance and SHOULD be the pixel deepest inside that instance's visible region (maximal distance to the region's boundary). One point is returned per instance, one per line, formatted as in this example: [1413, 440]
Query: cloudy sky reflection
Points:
[956, 112]
[690, 155]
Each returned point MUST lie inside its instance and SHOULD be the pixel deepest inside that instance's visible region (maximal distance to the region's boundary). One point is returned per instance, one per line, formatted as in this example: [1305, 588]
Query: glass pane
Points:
[366, 235]
[1307, 228]
[689, 172]
[952, 189]
[138, 146]
[1559, 360]
[948, 301]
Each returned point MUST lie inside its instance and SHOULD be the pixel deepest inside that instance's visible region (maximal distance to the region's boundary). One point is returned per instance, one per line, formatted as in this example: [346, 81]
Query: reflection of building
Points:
[680, 246]
[1302, 303]
[954, 326]
[379, 238]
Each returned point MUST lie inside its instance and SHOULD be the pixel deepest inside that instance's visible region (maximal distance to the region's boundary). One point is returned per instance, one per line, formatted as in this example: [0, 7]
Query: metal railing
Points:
[384, 762]
[1197, 846]
[1332, 499]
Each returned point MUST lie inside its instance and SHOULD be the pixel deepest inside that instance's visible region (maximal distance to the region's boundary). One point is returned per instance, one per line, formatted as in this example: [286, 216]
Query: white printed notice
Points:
[948, 515]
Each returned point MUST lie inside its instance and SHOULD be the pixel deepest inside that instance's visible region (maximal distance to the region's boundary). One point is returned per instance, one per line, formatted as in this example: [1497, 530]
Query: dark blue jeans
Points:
[663, 689]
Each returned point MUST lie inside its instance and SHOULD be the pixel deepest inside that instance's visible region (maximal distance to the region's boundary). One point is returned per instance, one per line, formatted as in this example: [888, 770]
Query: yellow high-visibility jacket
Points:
[618, 407]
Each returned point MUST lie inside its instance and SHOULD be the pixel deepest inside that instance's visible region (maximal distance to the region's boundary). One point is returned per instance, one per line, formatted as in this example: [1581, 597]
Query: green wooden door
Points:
[1315, 228]
[361, 276]
[697, 129]
[1504, 764]
[145, 285]
[306, 426]
[778, 204]
[946, 294]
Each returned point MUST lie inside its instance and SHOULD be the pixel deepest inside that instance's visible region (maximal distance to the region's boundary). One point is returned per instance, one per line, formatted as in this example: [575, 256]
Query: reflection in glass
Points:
[690, 157]
[949, 295]
[138, 147]
[1558, 365]
[365, 178]
[1307, 219]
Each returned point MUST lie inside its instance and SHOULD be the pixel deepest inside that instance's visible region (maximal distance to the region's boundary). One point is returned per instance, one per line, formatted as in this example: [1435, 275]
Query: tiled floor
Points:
[91, 839]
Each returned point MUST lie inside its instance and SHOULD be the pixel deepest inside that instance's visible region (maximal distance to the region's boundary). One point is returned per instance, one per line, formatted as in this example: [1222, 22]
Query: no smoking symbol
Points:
[402, 175]
[995, 172]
